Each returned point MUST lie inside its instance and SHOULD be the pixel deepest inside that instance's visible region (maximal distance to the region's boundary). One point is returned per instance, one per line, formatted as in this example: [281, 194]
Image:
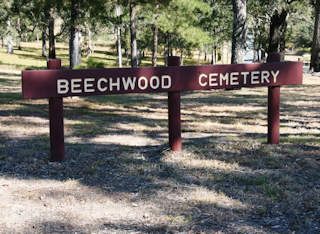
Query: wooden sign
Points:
[56, 84]
[88, 82]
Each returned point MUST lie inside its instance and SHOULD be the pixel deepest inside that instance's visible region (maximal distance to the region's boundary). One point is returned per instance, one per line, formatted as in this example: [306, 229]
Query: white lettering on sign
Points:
[275, 75]
[114, 84]
[88, 86]
[99, 84]
[255, 77]
[91, 85]
[62, 86]
[129, 82]
[154, 82]
[235, 78]
[201, 83]
[245, 75]
[213, 79]
[142, 83]
[265, 77]
[166, 82]
[76, 86]
[224, 77]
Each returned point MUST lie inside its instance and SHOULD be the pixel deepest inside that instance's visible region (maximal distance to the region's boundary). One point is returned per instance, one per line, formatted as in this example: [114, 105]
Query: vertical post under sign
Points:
[56, 121]
[174, 112]
[274, 107]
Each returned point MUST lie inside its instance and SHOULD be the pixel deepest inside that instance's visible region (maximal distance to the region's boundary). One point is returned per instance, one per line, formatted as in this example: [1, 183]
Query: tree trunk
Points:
[126, 45]
[19, 39]
[278, 27]
[315, 51]
[166, 49]
[126, 51]
[75, 36]
[119, 45]
[155, 46]
[52, 39]
[89, 49]
[9, 38]
[133, 36]
[213, 55]
[44, 46]
[239, 31]
[181, 57]
[10, 44]
[263, 55]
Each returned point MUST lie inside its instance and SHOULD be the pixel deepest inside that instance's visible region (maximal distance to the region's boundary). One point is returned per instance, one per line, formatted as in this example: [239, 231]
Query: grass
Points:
[120, 176]
[30, 58]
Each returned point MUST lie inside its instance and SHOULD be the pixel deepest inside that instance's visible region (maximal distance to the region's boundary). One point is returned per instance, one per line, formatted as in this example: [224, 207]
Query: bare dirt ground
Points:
[120, 177]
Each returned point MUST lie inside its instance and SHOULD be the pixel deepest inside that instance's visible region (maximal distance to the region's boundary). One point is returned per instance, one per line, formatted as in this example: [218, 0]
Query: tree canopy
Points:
[180, 27]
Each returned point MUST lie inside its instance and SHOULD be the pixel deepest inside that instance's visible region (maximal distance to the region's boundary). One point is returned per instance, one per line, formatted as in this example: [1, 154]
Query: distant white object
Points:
[249, 52]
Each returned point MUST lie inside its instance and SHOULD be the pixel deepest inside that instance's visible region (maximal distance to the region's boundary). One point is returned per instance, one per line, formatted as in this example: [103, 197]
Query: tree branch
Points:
[61, 31]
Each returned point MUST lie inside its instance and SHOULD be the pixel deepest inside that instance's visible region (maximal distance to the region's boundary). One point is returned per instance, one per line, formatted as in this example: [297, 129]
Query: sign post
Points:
[57, 83]
[273, 107]
[174, 113]
[56, 120]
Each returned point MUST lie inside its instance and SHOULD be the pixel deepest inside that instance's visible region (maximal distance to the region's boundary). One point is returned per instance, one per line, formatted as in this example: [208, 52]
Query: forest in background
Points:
[185, 28]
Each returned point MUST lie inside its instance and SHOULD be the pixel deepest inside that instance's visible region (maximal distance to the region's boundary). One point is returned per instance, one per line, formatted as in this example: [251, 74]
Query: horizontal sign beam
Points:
[88, 82]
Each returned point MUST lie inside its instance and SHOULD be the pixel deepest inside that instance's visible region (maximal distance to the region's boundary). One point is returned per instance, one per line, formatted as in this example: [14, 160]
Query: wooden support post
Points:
[274, 106]
[56, 120]
[174, 113]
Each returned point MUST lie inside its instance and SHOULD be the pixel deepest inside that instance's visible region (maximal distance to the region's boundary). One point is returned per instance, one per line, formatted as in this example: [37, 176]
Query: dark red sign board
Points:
[87, 82]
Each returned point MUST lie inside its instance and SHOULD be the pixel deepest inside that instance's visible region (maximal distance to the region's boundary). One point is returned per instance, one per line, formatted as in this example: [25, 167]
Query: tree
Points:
[258, 22]
[75, 34]
[239, 30]
[45, 12]
[278, 24]
[182, 26]
[219, 25]
[133, 34]
[315, 50]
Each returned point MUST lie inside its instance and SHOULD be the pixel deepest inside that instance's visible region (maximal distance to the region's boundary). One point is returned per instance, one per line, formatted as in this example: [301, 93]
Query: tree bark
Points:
[166, 49]
[133, 36]
[181, 57]
[89, 46]
[278, 27]
[126, 51]
[2, 41]
[119, 45]
[315, 51]
[9, 38]
[52, 38]
[155, 46]
[239, 31]
[213, 55]
[75, 36]
[44, 46]
[19, 39]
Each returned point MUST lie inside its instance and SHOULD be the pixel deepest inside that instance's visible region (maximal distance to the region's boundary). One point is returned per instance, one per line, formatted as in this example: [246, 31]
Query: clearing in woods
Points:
[119, 175]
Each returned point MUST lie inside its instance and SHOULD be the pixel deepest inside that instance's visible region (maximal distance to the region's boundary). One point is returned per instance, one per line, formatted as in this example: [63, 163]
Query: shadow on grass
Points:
[273, 182]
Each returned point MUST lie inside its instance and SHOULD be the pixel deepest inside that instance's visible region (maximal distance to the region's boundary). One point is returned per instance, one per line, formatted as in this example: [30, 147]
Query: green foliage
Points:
[92, 63]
